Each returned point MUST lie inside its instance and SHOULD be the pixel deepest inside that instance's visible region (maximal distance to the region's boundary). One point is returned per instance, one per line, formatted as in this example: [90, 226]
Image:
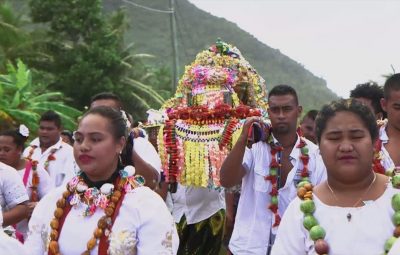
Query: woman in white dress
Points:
[105, 209]
[35, 179]
[350, 213]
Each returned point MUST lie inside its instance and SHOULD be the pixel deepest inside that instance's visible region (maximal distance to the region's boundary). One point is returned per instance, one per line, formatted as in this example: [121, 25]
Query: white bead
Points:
[107, 188]
[81, 187]
[130, 170]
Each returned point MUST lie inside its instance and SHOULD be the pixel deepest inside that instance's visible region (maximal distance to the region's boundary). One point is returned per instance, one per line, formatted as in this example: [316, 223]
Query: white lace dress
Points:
[143, 226]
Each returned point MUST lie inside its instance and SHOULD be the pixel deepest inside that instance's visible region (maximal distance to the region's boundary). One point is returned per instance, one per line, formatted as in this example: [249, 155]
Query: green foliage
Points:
[88, 54]
[21, 102]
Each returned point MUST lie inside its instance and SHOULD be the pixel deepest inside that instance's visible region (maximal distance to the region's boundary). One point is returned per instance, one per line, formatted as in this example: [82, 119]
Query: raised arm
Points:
[232, 170]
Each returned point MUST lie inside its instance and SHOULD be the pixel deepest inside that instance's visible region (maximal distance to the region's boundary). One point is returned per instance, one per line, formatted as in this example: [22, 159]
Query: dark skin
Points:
[25, 209]
[16, 214]
[347, 150]
[391, 106]
[284, 112]
[144, 169]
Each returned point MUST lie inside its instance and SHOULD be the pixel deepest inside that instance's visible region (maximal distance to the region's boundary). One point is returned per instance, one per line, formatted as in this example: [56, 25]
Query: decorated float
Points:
[195, 130]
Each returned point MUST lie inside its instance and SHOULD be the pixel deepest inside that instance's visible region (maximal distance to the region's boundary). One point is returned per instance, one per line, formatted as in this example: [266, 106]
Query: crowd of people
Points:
[327, 183]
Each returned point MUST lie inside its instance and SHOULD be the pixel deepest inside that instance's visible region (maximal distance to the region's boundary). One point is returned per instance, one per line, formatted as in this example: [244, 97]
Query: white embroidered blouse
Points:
[143, 226]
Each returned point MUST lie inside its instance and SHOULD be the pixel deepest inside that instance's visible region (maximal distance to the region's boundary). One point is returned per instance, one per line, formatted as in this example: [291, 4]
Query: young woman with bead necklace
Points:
[36, 179]
[351, 212]
[105, 209]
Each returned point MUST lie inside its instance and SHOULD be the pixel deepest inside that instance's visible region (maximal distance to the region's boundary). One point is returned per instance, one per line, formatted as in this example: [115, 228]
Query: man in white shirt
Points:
[256, 222]
[50, 151]
[389, 133]
[144, 156]
[200, 216]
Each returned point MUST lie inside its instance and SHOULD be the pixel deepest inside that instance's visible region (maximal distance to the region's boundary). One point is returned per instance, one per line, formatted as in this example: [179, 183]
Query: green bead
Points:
[305, 179]
[309, 221]
[396, 218]
[304, 150]
[396, 181]
[389, 243]
[307, 206]
[273, 171]
[302, 183]
[317, 232]
[274, 200]
[396, 202]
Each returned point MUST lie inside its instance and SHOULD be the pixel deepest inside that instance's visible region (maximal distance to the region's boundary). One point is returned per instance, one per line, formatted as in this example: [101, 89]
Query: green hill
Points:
[197, 30]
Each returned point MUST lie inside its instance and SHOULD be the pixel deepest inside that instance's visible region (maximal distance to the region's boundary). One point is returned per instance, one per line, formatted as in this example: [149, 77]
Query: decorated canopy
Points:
[201, 123]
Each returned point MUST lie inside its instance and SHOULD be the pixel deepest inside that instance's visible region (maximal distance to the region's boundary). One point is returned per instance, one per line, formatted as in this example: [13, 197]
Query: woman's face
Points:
[95, 149]
[346, 147]
[10, 153]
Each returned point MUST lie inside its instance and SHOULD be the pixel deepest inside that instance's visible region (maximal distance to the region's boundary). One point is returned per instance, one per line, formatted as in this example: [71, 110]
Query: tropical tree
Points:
[88, 54]
[23, 102]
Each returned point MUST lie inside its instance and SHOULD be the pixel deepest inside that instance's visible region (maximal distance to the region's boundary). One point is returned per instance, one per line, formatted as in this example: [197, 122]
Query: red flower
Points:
[277, 220]
[304, 172]
[273, 208]
[304, 159]
[274, 192]
[51, 157]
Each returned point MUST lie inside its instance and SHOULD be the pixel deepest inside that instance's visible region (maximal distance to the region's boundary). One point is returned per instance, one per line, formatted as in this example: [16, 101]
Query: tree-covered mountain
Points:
[149, 31]
[197, 30]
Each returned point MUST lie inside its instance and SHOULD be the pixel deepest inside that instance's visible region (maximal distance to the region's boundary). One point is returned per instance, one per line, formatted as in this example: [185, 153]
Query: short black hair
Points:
[19, 139]
[346, 105]
[371, 91]
[392, 83]
[312, 114]
[51, 116]
[68, 133]
[105, 96]
[282, 90]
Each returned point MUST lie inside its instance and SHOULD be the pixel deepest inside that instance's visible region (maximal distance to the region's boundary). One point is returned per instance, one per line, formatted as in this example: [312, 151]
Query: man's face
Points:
[308, 129]
[49, 133]
[367, 102]
[283, 112]
[392, 107]
[105, 102]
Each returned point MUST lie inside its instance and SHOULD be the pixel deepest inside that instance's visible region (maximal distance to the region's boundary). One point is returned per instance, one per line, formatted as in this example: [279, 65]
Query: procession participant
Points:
[386, 156]
[51, 153]
[370, 94]
[35, 179]
[105, 209]
[307, 125]
[269, 172]
[335, 216]
[144, 155]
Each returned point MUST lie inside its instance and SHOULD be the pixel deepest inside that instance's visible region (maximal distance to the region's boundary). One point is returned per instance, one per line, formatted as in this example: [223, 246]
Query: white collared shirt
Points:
[196, 203]
[147, 152]
[386, 160]
[63, 168]
[254, 220]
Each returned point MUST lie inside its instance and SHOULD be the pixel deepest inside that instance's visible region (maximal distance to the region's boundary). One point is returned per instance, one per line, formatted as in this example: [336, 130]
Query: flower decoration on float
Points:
[203, 120]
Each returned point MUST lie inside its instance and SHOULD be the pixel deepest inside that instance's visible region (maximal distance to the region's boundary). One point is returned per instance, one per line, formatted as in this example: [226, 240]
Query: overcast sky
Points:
[346, 42]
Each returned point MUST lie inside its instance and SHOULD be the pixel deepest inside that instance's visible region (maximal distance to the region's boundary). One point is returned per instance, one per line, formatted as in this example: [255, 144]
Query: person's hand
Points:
[252, 125]
[31, 206]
